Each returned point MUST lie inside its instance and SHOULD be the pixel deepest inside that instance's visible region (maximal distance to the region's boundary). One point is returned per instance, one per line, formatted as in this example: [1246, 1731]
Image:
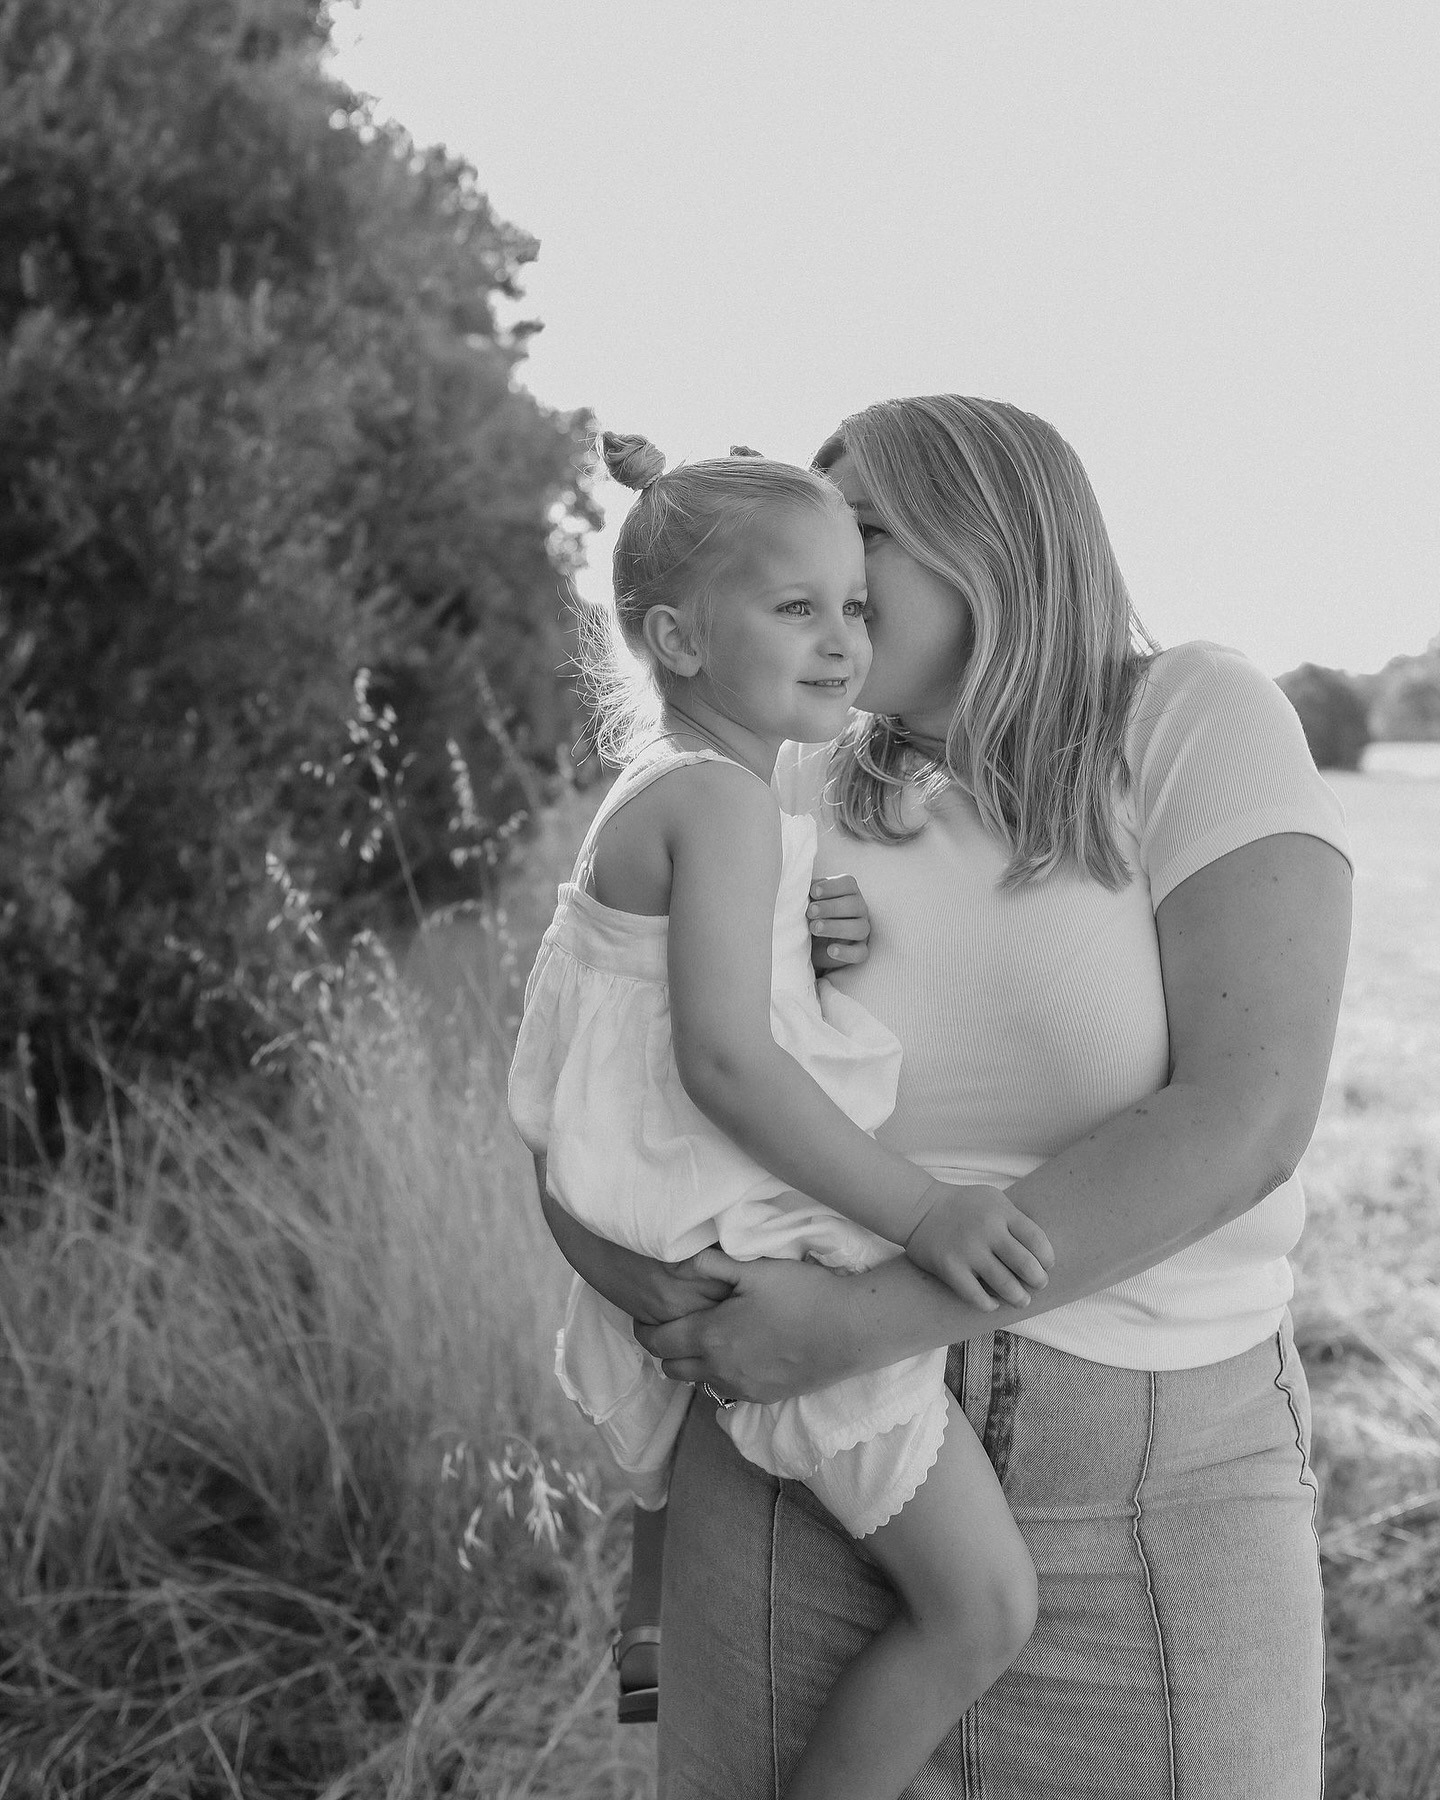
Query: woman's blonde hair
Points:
[676, 540]
[996, 503]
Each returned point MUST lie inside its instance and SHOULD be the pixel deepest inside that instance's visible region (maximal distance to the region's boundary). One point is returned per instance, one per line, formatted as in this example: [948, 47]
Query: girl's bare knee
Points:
[1017, 1610]
[989, 1622]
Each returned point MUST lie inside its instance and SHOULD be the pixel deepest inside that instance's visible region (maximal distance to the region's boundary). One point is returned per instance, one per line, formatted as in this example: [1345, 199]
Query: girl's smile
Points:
[780, 645]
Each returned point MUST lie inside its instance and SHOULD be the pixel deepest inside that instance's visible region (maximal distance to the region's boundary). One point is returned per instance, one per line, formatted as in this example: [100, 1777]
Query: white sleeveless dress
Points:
[594, 1088]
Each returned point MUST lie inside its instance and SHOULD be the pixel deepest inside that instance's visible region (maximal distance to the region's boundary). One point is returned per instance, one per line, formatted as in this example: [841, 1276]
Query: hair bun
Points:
[632, 460]
[745, 450]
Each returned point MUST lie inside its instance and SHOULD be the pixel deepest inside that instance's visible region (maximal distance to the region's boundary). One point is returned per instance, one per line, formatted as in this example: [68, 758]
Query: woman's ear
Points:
[668, 639]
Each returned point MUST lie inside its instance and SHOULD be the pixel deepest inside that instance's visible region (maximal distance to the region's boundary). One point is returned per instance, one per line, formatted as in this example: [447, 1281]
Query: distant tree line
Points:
[260, 432]
[1343, 713]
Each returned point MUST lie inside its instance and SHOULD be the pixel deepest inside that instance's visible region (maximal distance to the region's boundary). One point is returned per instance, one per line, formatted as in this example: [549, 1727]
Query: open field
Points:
[1367, 1304]
[290, 1506]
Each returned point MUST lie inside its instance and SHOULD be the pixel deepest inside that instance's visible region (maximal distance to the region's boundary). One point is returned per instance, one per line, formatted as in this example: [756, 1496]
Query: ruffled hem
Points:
[621, 1391]
[827, 1424]
[573, 1393]
[916, 1473]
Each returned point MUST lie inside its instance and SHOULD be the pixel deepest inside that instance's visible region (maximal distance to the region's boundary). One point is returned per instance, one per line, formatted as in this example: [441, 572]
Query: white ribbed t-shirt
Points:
[1030, 1015]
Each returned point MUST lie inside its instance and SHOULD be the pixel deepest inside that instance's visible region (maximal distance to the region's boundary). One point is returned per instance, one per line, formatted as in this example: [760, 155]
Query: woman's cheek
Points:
[880, 681]
[863, 657]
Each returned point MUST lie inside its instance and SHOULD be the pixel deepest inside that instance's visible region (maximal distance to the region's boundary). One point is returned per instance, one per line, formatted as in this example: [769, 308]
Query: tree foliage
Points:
[1333, 712]
[260, 430]
[1405, 697]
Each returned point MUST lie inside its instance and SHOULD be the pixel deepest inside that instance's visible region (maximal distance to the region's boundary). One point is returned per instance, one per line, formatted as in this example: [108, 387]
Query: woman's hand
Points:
[784, 1330]
[839, 923]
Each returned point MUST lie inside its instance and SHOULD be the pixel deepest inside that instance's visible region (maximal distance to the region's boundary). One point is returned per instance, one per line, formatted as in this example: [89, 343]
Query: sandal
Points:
[639, 1704]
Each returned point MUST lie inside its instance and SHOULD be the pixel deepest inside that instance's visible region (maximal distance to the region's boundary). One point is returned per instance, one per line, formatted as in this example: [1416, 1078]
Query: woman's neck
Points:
[929, 735]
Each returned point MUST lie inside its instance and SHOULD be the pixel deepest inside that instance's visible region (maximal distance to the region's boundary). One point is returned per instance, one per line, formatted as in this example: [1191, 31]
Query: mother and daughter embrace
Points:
[934, 1307]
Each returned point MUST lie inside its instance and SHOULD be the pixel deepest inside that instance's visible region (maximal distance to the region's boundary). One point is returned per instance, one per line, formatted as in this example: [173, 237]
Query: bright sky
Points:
[1199, 237]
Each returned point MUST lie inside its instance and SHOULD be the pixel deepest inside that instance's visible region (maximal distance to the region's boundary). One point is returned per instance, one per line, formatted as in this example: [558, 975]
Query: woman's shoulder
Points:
[1199, 664]
[1202, 685]
[1217, 757]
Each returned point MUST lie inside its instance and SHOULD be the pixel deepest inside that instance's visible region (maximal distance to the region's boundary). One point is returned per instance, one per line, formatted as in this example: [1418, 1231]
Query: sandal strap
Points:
[627, 1640]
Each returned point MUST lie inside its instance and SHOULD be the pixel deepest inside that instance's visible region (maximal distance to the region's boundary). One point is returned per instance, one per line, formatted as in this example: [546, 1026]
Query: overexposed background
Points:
[1201, 239]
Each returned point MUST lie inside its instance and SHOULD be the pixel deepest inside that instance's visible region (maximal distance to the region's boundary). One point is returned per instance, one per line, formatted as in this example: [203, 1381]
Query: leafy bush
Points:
[259, 432]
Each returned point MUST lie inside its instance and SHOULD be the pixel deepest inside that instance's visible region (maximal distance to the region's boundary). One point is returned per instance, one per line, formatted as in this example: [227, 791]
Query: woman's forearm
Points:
[1141, 1187]
[650, 1291]
[1253, 950]
[1137, 1189]
[609, 1268]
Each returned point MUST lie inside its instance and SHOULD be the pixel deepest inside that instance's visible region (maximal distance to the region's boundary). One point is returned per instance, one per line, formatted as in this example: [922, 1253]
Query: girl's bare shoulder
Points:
[705, 808]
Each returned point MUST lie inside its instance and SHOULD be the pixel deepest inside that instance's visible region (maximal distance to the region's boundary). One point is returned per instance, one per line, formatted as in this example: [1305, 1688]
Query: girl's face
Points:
[920, 626]
[783, 647]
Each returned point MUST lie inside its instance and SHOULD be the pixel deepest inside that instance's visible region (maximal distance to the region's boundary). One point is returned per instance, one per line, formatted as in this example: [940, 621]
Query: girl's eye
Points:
[796, 608]
[871, 535]
[856, 609]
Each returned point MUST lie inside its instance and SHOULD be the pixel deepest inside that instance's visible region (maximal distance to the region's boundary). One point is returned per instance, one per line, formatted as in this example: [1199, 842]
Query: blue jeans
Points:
[1171, 1516]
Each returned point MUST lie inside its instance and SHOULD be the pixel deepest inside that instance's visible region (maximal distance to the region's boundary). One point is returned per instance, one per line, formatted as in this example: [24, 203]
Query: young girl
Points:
[690, 1083]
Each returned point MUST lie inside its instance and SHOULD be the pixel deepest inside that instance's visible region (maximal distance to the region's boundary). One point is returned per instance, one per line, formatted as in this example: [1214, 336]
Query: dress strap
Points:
[654, 761]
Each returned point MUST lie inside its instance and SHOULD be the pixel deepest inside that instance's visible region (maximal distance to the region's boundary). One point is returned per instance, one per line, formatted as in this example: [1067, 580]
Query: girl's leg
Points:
[966, 1589]
[1177, 1654]
[638, 1652]
[647, 1564]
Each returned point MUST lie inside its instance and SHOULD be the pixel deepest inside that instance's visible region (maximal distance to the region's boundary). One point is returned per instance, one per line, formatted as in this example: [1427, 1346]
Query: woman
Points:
[1111, 907]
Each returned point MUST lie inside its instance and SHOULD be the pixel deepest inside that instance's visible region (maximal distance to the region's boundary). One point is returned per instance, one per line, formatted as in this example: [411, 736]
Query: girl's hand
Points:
[839, 923]
[984, 1249]
[783, 1331]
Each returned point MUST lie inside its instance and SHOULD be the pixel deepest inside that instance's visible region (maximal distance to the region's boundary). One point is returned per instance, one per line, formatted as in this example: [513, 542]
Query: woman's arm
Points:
[650, 1291]
[1253, 950]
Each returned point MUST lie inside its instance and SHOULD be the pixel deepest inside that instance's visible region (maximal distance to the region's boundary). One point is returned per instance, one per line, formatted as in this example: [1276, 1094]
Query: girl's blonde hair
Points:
[676, 540]
[995, 502]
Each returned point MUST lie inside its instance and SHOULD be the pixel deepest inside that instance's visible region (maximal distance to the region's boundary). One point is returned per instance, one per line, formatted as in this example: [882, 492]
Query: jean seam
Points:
[996, 1437]
[1004, 1392]
[1307, 1480]
[770, 1643]
[972, 1768]
[1137, 1515]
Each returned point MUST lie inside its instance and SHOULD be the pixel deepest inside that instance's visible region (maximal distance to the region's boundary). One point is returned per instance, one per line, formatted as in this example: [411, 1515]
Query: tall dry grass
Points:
[289, 1505]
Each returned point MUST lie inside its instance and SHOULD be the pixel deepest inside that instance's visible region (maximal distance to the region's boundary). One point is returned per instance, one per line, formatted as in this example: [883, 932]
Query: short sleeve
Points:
[1218, 759]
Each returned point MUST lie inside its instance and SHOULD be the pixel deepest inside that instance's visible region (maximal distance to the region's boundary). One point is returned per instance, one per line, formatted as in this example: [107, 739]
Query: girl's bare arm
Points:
[724, 837]
[1253, 950]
